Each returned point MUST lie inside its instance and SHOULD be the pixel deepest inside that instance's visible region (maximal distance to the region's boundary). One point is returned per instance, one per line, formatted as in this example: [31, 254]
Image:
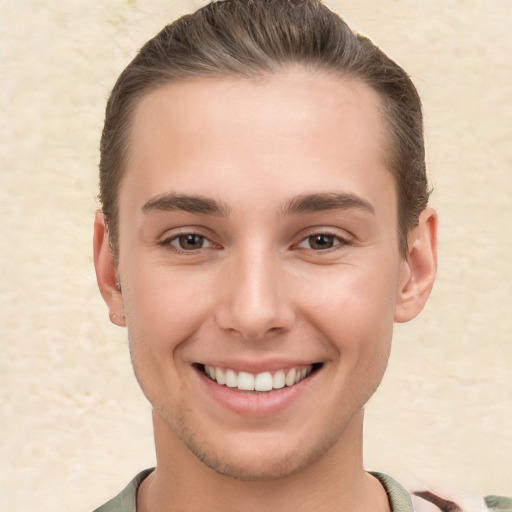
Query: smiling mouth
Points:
[264, 381]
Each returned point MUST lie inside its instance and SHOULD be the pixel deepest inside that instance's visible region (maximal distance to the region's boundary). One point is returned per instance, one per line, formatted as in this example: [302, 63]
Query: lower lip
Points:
[255, 403]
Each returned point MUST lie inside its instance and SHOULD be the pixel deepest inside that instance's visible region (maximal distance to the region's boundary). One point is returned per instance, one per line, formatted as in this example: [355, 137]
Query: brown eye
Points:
[190, 242]
[322, 241]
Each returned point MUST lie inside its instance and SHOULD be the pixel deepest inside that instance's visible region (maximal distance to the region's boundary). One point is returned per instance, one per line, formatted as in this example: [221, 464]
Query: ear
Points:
[106, 272]
[419, 268]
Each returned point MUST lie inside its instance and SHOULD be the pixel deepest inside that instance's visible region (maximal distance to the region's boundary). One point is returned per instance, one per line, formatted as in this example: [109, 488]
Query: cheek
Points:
[352, 313]
[163, 309]
[354, 308]
[162, 315]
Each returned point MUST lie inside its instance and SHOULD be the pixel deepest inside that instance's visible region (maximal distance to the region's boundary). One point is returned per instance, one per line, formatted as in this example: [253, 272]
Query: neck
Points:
[336, 481]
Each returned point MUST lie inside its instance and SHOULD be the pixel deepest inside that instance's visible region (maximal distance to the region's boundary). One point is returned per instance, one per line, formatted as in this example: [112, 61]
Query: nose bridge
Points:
[255, 300]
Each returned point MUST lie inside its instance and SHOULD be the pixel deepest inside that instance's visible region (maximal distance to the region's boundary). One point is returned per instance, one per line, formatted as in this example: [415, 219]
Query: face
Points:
[259, 265]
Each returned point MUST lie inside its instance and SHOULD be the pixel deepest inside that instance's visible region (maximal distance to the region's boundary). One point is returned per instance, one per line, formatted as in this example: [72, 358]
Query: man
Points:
[264, 222]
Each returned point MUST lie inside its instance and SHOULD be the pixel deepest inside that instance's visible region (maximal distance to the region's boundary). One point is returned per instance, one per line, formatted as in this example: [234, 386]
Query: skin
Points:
[269, 164]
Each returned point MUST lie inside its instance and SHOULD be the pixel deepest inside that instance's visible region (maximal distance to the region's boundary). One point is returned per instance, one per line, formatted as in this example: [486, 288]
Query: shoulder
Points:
[432, 500]
[499, 503]
[437, 500]
[126, 500]
[399, 498]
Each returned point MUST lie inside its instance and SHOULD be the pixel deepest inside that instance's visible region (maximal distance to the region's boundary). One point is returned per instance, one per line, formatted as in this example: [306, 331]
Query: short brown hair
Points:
[247, 38]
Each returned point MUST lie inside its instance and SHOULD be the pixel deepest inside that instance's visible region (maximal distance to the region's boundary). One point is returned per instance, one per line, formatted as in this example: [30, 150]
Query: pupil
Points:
[191, 241]
[321, 241]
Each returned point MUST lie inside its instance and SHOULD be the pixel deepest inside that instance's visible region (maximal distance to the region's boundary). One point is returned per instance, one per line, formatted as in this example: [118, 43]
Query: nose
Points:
[256, 301]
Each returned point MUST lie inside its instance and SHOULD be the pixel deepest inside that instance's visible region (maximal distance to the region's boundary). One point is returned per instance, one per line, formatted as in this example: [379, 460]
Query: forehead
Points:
[292, 129]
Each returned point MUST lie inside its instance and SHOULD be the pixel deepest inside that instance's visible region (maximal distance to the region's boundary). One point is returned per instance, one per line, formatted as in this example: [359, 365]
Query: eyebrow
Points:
[312, 203]
[186, 203]
[304, 203]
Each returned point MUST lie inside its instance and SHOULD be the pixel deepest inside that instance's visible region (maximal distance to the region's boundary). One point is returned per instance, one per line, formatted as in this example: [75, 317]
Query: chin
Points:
[253, 467]
[257, 456]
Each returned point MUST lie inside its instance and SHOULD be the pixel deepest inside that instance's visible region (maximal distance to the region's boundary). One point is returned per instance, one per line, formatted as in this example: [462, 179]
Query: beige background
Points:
[74, 426]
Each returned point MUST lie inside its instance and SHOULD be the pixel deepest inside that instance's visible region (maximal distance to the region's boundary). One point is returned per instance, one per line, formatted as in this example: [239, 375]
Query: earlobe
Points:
[106, 272]
[419, 268]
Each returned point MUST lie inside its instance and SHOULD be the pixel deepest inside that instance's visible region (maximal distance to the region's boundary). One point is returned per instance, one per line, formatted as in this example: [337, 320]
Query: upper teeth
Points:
[264, 381]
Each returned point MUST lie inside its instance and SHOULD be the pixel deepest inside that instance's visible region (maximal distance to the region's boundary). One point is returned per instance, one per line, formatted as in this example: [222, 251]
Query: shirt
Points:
[399, 497]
